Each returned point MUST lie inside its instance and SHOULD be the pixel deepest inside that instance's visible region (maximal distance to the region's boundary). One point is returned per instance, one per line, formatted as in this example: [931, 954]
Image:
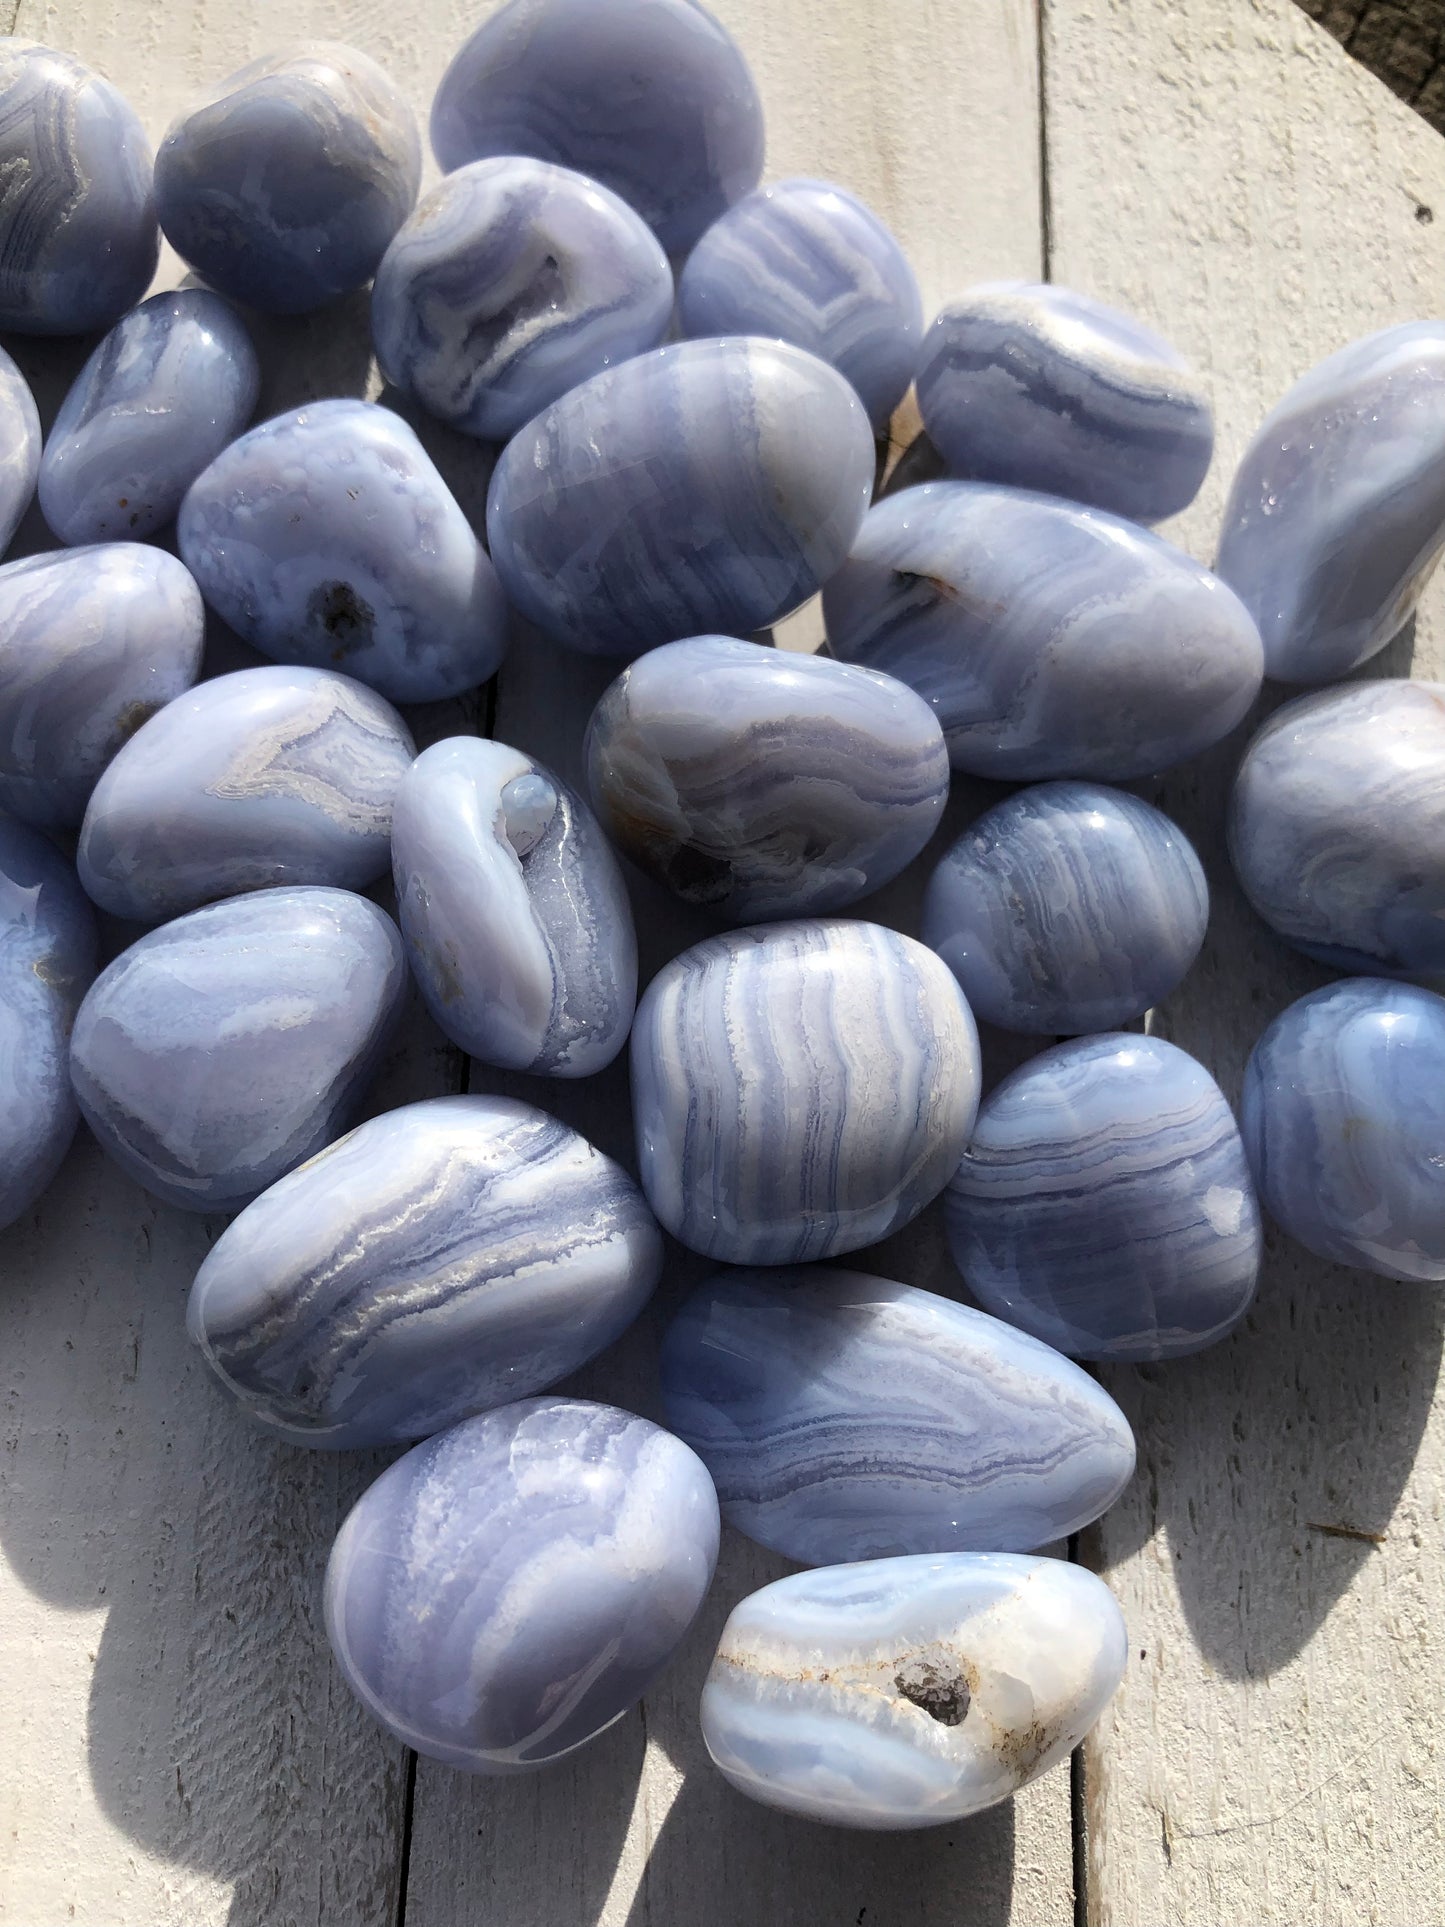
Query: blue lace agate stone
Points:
[1068, 907]
[1105, 1204]
[78, 240]
[506, 1591]
[903, 1693]
[266, 777]
[708, 487]
[220, 1051]
[1337, 826]
[1051, 640]
[1343, 1115]
[1337, 514]
[284, 183]
[761, 783]
[47, 958]
[651, 97]
[513, 281]
[162, 395]
[92, 643]
[1043, 388]
[807, 262]
[328, 537]
[515, 914]
[19, 448]
[800, 1089]
[846, 1417]
[441, 1259]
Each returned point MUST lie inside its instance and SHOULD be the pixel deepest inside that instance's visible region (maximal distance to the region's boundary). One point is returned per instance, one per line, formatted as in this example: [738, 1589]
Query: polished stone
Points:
[19, 448]
[1105, 1203]
[224, 1049]
[517, 924]
[807, 262]
[847, 1417]
[904, 1693]
[506, 1591]
[1068, 907]
[327, 536]
[708, 487]
[1043, 388]
[266, 777]
[651, 97]
[1051, 640]
[78, 239]
[1343, 1115]
[285, 182]
[760, 783]
[1336, 517]
[168, 388]
[47, 959]
[1337, 826]
[92, 643]
[800, 1089]
[512, 282]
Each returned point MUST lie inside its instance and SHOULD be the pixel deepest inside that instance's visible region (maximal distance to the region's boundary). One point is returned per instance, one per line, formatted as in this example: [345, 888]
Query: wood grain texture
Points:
[1226, 170]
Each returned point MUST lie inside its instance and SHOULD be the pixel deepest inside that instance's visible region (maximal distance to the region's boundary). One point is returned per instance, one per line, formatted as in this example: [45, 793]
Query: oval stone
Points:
[442, 1259]
[1105, 1203]
[284, 183]
[162, 395]
[513, 281]
[92, 643]
[1051, 640]
[903, 1693]
[19, 448]
[1337, 826]
[801, 1089]
[710, 486]
[1044, 388]
[262, 778]
[221, 1051]
[846, 1417]
[47, 958]
[761, 783]
[515, 914]
[1343, 1115]
[1336, 516]
[328, 537]
[1068, 907]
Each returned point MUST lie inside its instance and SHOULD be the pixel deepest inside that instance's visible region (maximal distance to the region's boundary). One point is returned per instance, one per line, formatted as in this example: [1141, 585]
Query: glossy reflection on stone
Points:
[1336, 517]
[1337, 826]
[902, 1693]
[800, 1089]
[47, 959]
[1343, 1114]
[220, 1051]
[807, 262]
[1105, 1203]
[1044, 388]
[760, 783]
[1068, 907]
[328, 537]
[709, 486]
[92, 643]
[506, 1591]
[266, 777]
[847, 1417]
[284, 183]
[19, 448]
[162, 395]
[1051, 640]
[512, 282]
[515, 914]
[651, 97]
[78, 240]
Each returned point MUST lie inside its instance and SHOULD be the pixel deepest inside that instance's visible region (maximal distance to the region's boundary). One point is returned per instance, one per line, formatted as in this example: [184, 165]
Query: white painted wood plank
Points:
[1275, 1754]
